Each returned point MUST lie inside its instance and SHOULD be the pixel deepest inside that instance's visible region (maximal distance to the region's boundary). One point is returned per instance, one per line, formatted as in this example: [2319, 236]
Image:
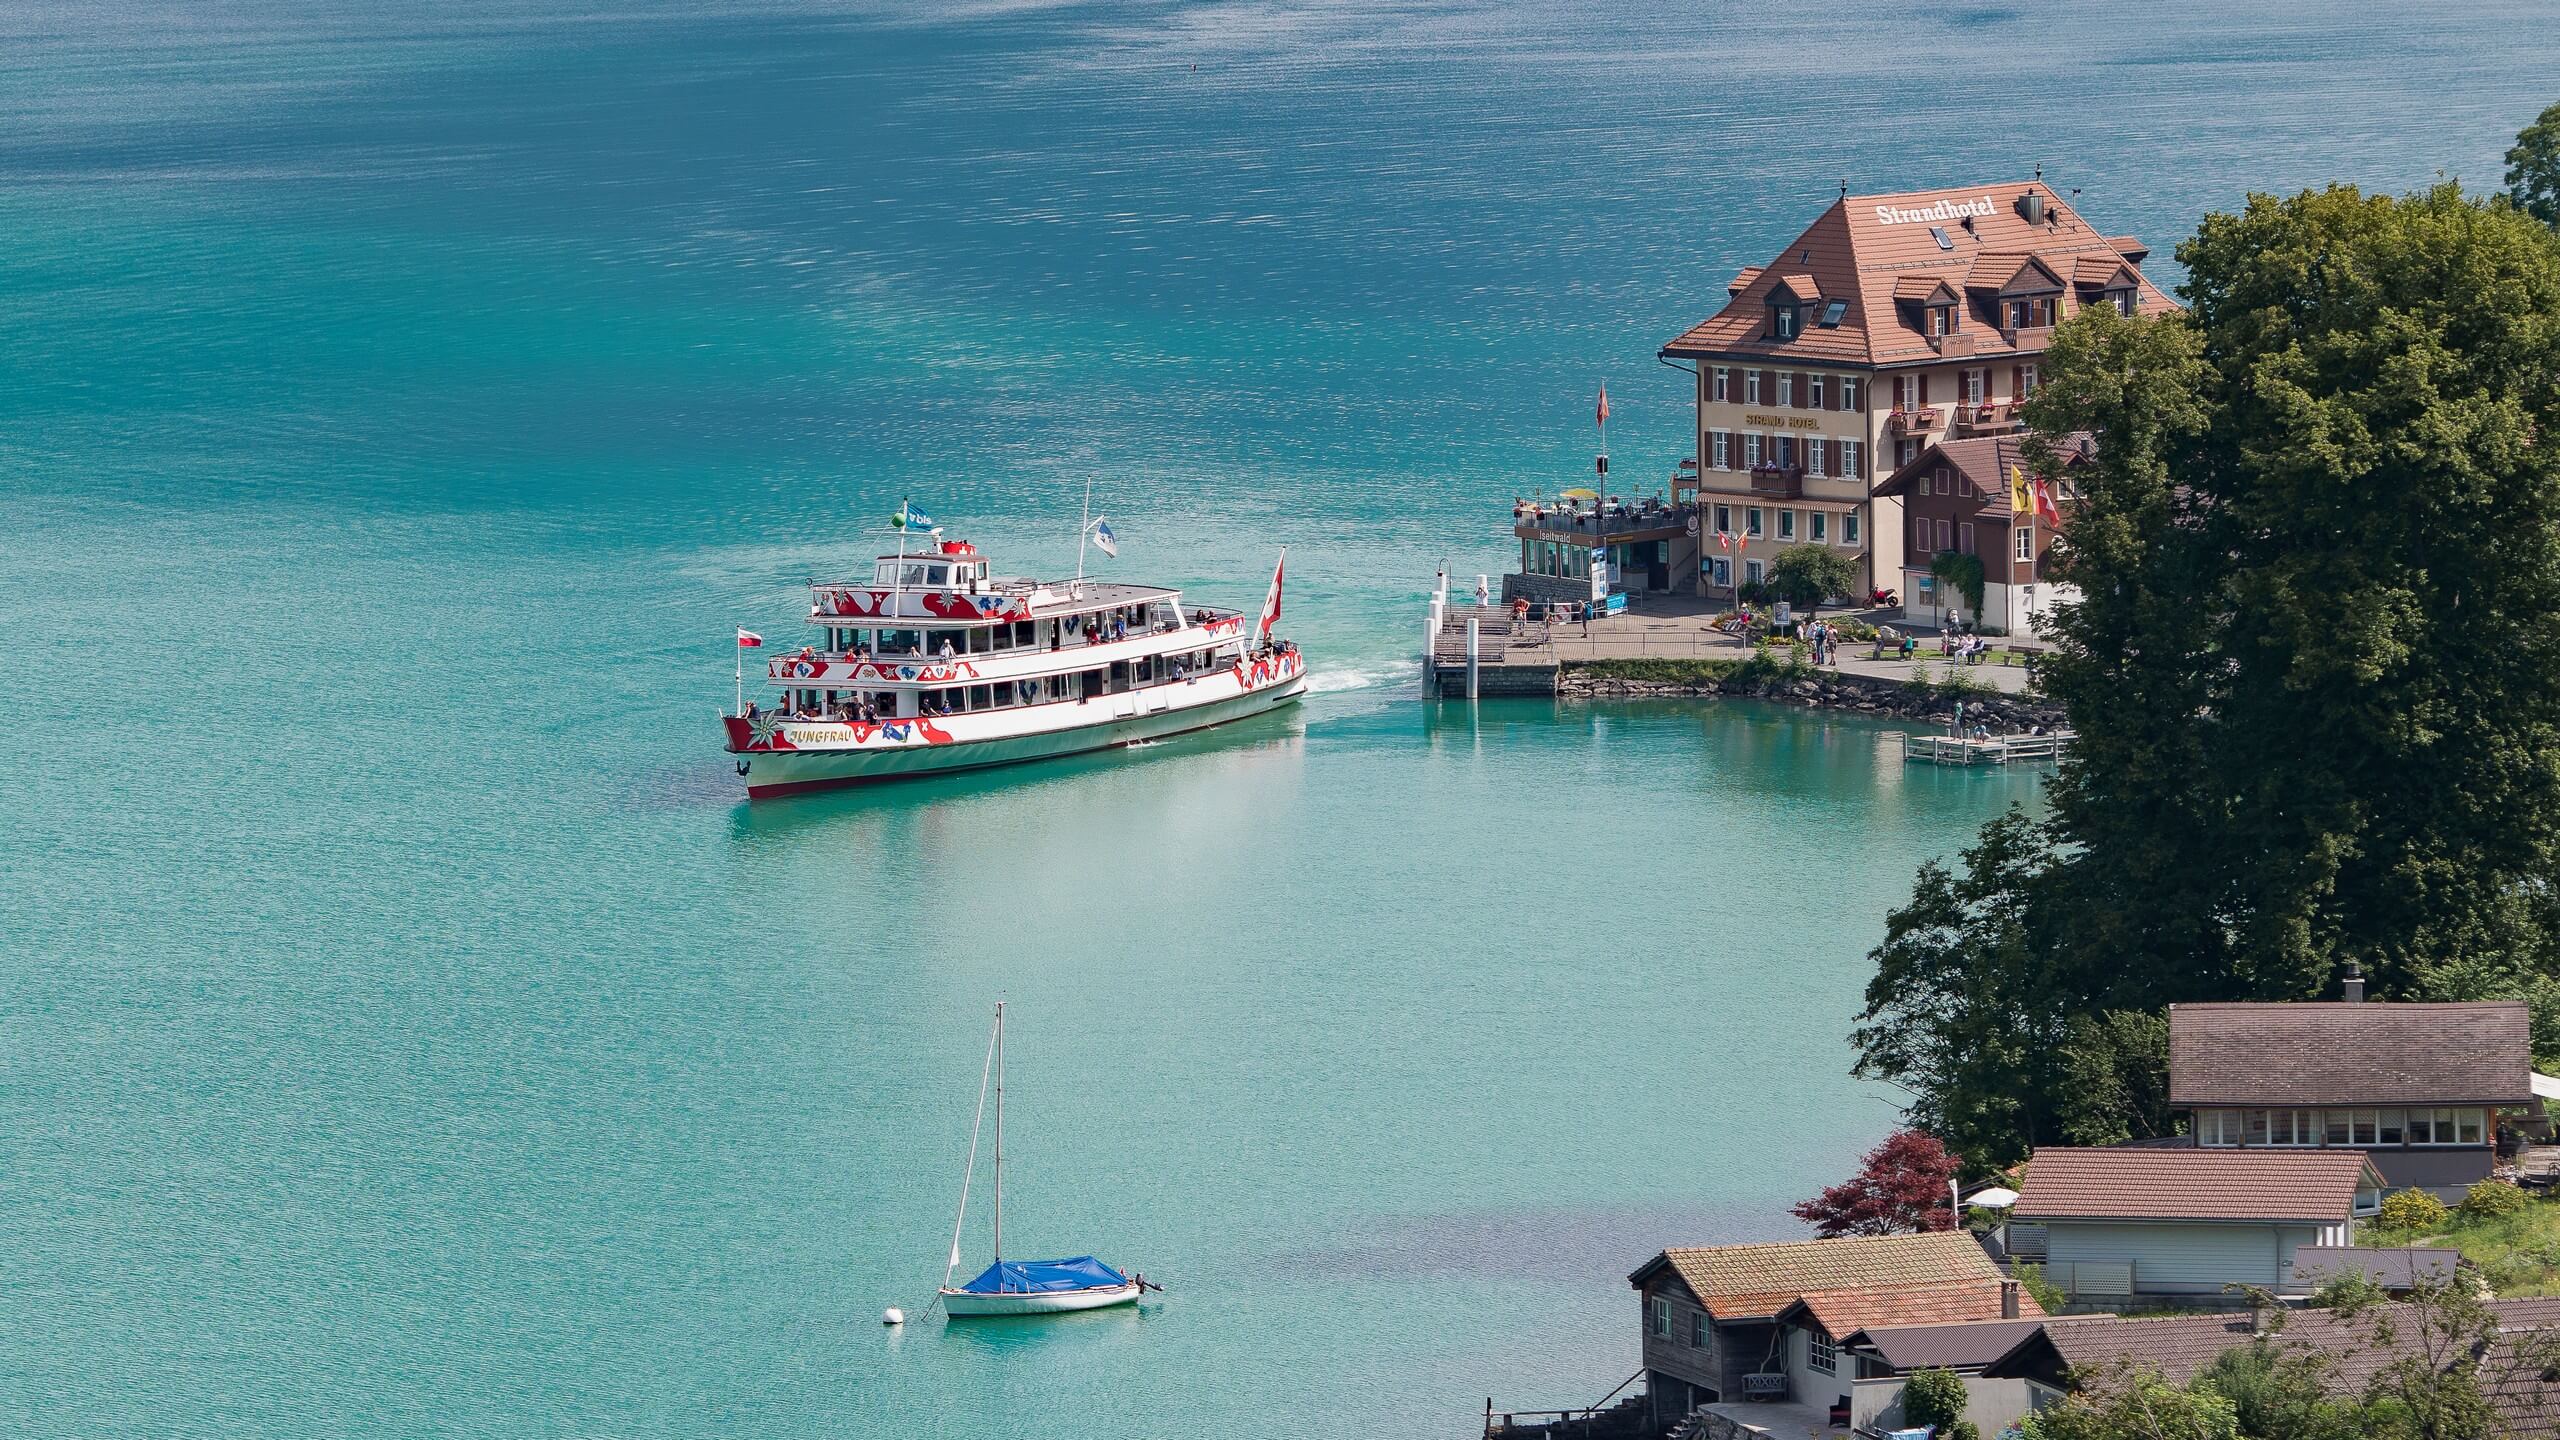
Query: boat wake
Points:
[1327, 682]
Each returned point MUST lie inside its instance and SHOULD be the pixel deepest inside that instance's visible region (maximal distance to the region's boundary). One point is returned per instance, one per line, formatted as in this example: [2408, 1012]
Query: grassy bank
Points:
[2517, 1254]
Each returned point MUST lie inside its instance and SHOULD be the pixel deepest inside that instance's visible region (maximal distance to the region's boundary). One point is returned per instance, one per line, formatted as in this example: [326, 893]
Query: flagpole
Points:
[740, 651]
[1084, 532]
[898, 580]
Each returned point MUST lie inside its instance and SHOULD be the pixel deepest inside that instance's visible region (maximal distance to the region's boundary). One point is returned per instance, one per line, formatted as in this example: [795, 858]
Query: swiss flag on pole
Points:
[1604, 403]
[1271, 602]
[2045, 508]
[748, 639]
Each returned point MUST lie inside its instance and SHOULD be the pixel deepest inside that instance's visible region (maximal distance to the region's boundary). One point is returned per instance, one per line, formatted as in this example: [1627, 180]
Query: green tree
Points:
[1962, 1013]
[2116, 1077]
[2282, 1393]
[2533, 168]
[1961, 573]
[2137, 1406]
[1810, 574]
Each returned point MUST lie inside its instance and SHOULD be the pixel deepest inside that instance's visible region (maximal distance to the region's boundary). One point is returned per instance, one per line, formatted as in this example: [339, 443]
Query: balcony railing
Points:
[1916, 420]
[1778, 482]
[1985, 418]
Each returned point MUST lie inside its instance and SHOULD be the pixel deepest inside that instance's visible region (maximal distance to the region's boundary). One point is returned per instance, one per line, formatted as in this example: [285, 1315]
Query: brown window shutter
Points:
[1769, 386]
[1924, 389]
[2017, 382]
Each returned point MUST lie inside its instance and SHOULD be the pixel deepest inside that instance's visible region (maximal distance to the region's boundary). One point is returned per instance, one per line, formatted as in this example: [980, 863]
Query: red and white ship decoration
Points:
[934, 665]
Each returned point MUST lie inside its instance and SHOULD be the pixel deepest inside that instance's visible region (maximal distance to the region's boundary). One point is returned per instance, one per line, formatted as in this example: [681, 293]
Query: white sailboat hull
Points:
[959, 1304]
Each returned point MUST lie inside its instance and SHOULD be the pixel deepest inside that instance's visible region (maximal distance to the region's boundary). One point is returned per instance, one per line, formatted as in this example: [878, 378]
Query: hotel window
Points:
[1977, 386]
[1905, 451]
[1813, 389]
[1942, 319]
[1724, 519]
[1719, 450]
[1848, 392]
[1832, 312]
[2026, 381]
[1820, 528]
[1819, 1352]
[1815, 453]
[1724, 382]
[2031, 313]
[1782, 321]
[1754, 571]
[1786, 448]
[1751, 522]
[1853, 459]
[1849, 528]
[1786, 524]
[1750, 387]
[2026, 544]
[1751, 451]
[2121, 299]
[1786, 389]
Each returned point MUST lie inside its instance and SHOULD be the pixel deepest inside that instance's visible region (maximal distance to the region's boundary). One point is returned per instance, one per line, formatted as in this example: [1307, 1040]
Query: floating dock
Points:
[1999, 750]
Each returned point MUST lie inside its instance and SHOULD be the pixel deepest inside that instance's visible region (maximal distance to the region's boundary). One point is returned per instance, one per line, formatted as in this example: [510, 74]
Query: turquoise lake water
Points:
[406, 1030]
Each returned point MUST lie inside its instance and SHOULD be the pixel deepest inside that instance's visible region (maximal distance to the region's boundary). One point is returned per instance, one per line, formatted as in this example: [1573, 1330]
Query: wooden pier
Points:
[1965, 750]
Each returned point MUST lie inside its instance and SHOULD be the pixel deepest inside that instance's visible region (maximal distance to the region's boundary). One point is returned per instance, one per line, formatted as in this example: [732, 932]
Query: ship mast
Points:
[999, 1139]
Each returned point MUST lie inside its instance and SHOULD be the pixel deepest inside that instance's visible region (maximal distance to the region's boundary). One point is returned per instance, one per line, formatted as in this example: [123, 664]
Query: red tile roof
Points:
[1858, 255]
[2194, 1184]
[1846, 1312]
[1740, 1281]
[2340, 1053]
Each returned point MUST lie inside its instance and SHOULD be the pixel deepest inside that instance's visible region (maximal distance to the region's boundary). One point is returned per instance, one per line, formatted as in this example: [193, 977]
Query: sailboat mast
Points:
[999, 1132]
[985, 1068]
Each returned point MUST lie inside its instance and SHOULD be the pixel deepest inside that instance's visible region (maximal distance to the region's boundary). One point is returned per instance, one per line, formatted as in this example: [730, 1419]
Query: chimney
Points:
[2008, 1299]
[2354, 983]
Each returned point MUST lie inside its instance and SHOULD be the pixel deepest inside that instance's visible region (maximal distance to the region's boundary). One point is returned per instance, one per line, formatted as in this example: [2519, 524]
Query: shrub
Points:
[2414, 1210]
[2049, 1295]
[1934, 1398]
[2492, 1198]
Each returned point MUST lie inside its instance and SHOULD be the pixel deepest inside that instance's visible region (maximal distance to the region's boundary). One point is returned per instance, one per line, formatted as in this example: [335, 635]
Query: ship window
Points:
[980, 697]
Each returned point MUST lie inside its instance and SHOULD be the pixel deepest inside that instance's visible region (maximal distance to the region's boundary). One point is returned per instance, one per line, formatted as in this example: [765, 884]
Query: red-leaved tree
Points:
[1900, 1189]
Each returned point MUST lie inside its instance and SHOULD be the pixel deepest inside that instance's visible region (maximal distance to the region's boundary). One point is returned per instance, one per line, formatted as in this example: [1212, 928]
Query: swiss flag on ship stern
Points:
[1271, 602]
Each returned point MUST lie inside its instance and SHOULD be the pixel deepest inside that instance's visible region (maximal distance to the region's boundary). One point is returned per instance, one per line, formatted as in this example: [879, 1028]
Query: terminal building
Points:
[1894, 323]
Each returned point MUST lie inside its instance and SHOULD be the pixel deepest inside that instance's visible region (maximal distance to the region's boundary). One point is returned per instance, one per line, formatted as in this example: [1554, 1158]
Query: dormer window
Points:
[1783, 320]
[2029, 312]
[1942, 320]
[2121, 299]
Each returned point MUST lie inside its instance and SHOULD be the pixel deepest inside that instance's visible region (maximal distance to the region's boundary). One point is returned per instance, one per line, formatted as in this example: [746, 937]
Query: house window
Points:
[1751, 451]
[1720, 572]
[1942, 319]
[1853, 459]
[2281, 1127]
[2026, 545]
[2026, 381]
[1977, 386]
[1698, 1330]
[1750, 387]
[1661, 1316]
[1813, 392]
[1820, 1353]
[1786, 389]
[2368, 1202]
[2217, 1127]
[1720, 448]
[1905, 451]
[1944, 543]
[1723, 383]
[1751, 521]
[1820, 533]
[1919, 535]
[1964, 537]
[1782, 321]
[1849, 528]
[1848, 392]
[1754, 571]
[1724, 519]
[1786, 524]
[2393, 1129]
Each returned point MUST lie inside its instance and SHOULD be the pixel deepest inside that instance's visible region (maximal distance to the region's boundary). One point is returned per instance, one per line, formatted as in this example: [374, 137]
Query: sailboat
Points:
[1023, 1287]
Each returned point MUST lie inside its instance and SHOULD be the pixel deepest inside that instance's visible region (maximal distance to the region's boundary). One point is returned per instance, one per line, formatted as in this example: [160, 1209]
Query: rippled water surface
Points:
[404, 1028]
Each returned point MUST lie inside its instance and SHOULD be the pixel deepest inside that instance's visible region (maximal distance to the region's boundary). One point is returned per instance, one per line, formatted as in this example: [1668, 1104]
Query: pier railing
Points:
[1612, 1416]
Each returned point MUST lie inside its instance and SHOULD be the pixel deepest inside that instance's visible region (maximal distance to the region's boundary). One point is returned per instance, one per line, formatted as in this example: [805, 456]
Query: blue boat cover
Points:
[1040, 1277]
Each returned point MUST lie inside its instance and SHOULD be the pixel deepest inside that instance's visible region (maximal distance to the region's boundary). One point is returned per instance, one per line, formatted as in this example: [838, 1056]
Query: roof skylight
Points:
[1939, 234]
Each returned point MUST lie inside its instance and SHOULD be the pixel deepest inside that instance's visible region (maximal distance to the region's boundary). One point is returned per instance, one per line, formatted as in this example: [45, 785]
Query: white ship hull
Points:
[961, 1303]
[1070, 728]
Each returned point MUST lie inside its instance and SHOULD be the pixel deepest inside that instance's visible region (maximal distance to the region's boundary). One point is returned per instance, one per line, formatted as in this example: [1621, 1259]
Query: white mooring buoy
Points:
[893, 1316]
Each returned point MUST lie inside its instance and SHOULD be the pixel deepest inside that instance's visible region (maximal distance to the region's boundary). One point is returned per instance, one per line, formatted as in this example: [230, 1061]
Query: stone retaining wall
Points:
[1829, 691]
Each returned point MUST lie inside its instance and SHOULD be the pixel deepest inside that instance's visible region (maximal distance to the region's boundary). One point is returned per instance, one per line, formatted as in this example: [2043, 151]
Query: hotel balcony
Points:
[1778, 482]
[1611, 524]
[1919, 421]
[1995, 418]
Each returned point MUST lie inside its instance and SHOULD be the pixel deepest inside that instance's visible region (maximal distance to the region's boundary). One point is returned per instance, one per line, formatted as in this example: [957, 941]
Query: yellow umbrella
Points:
[1580, 494]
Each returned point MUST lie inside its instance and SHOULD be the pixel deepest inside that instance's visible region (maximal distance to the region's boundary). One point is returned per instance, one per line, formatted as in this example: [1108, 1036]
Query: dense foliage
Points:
[2492, 1198]
[1901, 1188]
[1810, 574]
[2314, 669]
[2533, 168]
[1933, 1398]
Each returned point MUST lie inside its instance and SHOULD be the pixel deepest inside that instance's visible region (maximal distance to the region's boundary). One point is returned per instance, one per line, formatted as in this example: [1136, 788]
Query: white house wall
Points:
[2179, 1259]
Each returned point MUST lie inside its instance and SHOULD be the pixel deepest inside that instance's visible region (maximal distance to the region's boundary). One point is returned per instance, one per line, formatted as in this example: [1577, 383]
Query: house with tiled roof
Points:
[1763, 1323]
[1964, 497]
[2129, 1225]
[2517, 1371]
[1892, 322]
[2418, 1087]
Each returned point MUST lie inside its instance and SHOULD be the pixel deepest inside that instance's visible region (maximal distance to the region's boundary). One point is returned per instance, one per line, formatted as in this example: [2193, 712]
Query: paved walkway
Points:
[1681, 628]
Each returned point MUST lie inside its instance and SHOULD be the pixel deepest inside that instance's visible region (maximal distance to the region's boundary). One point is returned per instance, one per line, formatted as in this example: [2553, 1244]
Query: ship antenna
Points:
[1083, 533]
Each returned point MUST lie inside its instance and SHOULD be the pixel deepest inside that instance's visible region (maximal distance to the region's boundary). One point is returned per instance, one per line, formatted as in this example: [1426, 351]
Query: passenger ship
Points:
[936, 665]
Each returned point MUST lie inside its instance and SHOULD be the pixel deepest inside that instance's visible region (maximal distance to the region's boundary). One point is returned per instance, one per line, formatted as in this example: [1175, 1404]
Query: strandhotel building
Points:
[1892, 323]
